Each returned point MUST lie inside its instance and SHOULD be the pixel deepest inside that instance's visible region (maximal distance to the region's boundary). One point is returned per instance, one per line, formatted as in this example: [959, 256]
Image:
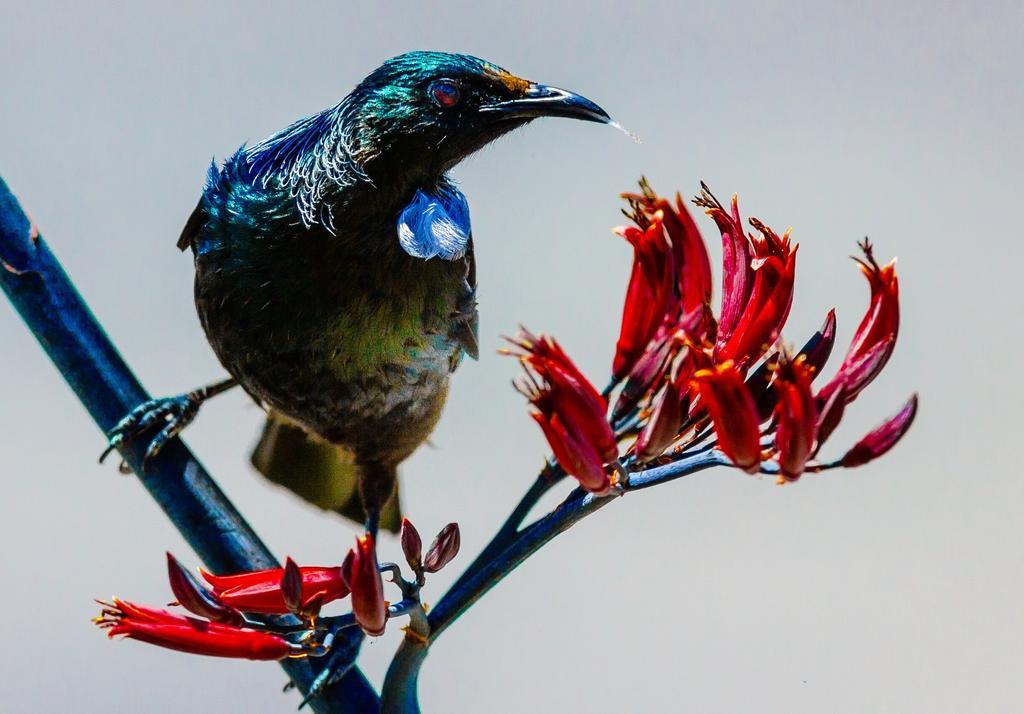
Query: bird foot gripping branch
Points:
[167, 416]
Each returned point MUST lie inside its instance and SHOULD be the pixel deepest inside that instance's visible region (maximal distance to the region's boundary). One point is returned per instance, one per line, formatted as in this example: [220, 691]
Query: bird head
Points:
[440, 107]
[402, 128]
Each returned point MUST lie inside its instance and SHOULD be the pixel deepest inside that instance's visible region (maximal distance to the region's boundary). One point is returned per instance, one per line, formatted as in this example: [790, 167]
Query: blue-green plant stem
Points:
[65, 327]
[526, 542]
[399, 693]
[548, 477]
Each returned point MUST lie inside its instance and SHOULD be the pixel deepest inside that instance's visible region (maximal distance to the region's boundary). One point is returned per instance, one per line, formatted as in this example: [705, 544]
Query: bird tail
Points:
[319, 472]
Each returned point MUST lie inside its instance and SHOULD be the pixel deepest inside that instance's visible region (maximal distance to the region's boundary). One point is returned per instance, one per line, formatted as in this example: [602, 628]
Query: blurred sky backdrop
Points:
[893, 588]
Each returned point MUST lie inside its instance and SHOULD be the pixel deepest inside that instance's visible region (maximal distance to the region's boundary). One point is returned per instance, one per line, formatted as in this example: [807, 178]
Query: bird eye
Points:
[445, 93]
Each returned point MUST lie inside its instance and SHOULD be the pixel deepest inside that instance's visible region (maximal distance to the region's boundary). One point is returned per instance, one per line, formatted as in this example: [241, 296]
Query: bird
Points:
[335, 278]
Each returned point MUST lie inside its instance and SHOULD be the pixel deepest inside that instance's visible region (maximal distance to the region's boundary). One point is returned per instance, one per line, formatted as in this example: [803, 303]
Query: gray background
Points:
[894, 588]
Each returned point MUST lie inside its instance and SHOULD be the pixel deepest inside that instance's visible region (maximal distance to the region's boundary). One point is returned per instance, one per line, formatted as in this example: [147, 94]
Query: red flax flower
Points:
[260, 590]
[568, 409]
[187, 634]
[758, 274]
[875, 338]
[363, 576]
[733, 414]
[796, 416]
[682, 376]
[774, 267]
[650, 295]
[737, 273]
[690, 255]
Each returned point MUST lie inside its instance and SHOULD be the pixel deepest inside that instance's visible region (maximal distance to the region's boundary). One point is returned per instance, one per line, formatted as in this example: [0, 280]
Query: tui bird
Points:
[335, 277]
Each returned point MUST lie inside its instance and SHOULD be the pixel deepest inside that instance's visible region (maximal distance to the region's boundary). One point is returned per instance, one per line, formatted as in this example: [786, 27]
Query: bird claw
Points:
[342, 658]
[332, 673]
[170, 414]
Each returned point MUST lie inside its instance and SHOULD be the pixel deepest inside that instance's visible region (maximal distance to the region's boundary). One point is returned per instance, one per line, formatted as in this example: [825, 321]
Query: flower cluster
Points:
[685, 381]
[221, 622]
[569, 410]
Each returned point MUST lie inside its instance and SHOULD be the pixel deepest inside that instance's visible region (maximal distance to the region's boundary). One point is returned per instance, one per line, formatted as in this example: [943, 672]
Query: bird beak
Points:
[543, 101]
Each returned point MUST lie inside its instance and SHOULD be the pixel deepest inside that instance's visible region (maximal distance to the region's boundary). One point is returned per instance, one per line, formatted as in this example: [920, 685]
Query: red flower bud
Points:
[291, 586]
[818, 349]
[662, 427]
[187, 634]
[367, 588]
[883, 437]
[796, 416]
[733, 414]
[197, 599]
[346, 569]
[302, 605]
[444, 548]
[412, 545]
[759, 385]
[815, 353]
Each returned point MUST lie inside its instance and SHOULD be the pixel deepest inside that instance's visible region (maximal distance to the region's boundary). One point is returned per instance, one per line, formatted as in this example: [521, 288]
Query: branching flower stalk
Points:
[689, 390]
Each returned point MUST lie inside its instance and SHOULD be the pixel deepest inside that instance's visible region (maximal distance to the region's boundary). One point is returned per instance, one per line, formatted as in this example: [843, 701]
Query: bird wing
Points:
[320, 473]
[309, 159]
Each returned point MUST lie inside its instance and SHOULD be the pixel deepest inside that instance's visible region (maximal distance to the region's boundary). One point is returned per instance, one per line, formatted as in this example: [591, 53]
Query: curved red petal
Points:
[663, 426]
[263, 595]
[368, 604]
[796, 417]
[186, 634]
[733, 414]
